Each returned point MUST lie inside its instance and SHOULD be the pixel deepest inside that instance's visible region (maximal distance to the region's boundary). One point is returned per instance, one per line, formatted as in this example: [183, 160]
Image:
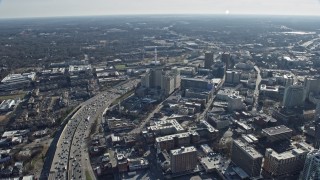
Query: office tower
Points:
[208, 60]
[317, 112]
[235, 103]
[167, 81]
[236, 77]
[246, 157]
[293, 96]
[183, 159]
[156, 78]
[171, 80]
[145, 80]
[168, 85]
[312, 85]
[177, 77]
[233, 77]
[311, 169]
[218, 69]
[225, 57]
[317, 132]
[229, 77]
[288, 80]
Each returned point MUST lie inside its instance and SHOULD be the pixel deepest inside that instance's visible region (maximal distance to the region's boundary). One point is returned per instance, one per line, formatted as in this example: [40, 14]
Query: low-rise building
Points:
[166, 127]
[196, 83]
[17, 81]
[219, 122]
[7, 105]
[206, 130]
[269, 91]
[137, 164]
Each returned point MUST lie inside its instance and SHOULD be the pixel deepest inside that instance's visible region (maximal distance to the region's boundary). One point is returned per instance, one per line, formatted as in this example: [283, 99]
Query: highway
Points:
[71, 159]
[256, 91]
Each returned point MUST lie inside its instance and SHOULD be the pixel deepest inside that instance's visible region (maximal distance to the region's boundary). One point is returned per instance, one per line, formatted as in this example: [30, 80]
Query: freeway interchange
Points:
[71, 159]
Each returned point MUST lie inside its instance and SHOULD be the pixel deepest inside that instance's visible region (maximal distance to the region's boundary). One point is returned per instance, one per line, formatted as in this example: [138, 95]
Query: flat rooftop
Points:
[202, 79]
[276, 130]
[170, 137]
[172, 123]
[248, 149]
[287, 154]
[183, 150]
[212, 163]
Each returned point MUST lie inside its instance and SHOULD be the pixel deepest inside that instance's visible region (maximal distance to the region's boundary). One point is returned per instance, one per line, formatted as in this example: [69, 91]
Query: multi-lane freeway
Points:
[256, 91]
[71, 159]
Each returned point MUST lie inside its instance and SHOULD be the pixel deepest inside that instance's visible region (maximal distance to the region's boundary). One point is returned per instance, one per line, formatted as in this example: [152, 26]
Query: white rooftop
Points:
[183, 150]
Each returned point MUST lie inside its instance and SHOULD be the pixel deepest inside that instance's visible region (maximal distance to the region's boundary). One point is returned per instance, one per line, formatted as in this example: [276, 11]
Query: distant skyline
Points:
[53, 8]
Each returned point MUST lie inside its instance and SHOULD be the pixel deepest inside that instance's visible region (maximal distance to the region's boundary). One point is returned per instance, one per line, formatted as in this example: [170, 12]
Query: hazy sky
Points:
[44, 8]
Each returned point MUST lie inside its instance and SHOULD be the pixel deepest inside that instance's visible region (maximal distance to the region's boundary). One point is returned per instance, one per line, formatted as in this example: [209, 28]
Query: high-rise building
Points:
[168, 85]
[317, 112]
[167, 81]
[288, 162]
[145, 80]
[229, 77]
[288, 80]
[225, 57]
[316, 124]
[152, 79]
[311, 169]
[246, 157]
[177, 80]
[218, 69]
[317, 132]
[293, 96]
[235, 103]
[171, 80]
[208, 60]
[312, 85]
[156, 78]
[233, 77]
[183, 159]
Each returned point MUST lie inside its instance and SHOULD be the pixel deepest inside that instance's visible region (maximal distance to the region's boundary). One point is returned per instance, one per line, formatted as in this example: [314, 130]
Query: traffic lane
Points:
[93, 102]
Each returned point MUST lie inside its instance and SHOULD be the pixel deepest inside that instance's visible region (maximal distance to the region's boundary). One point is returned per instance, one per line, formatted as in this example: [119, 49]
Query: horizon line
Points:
[159, 14]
